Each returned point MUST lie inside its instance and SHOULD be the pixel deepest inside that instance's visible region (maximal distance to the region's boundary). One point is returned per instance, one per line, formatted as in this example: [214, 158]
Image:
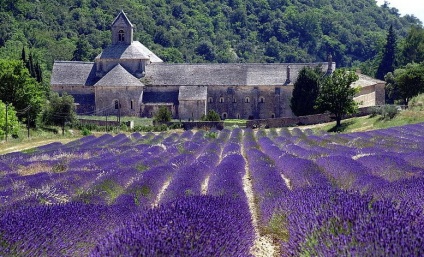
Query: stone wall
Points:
[128, 97]
[83, 97]
[206, 125]
[371, 95]
[191, 109]
[247, 102]
[150, 110]
[302, 120]
[287, 122]
[103, 123]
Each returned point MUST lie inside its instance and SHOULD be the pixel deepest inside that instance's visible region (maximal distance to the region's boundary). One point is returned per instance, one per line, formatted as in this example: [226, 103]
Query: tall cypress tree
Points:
[389, 54]
[23, 55]
[305, 91]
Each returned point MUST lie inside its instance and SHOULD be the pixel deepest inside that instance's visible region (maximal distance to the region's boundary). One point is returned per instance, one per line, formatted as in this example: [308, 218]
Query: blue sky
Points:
[415, 7]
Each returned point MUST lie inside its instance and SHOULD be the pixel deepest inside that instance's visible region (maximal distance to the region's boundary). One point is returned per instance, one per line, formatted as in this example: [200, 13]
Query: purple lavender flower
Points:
[193, 226]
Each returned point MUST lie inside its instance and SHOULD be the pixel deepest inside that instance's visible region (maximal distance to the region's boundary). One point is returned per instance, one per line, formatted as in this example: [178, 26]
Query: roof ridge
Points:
[73, 62]
[242, 64]
[119, 73]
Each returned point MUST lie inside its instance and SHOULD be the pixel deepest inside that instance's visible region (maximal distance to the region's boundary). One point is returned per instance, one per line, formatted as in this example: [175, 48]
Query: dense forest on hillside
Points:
[354, 31]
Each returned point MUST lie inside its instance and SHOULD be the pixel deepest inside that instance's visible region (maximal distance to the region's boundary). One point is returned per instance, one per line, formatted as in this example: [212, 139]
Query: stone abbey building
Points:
[127, 77]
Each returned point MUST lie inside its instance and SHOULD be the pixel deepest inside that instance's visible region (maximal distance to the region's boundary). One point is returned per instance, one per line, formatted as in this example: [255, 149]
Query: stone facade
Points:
[127, 78]
[372, 91]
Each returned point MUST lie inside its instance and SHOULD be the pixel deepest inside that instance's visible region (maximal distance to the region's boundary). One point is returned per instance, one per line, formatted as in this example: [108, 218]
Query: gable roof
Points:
[117, 77]
[365, 81]
[125, 52]
[224, 74]
[122, 18]
[192, 93]
[73, 74]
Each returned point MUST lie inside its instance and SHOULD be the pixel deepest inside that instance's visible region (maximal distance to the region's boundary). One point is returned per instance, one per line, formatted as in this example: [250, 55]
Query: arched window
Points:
[132, 104]
[272, 116]
[224, 115]
[121, 36]
[234, 100]
[210, 100]
[238, 116]
[261, 99]
[247, 99]
[221, 99]
[116, 103]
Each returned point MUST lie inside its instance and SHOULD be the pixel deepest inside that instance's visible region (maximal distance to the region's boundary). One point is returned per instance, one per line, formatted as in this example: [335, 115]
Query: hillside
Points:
[203, 31]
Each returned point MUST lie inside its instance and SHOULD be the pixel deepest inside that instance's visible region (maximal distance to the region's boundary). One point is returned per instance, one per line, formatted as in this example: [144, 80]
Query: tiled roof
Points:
[119, 76]
[224, 74]
[134, 51]
[192, 93]
[160, 97]
[365, 81]
[73, 73]
[122, 17]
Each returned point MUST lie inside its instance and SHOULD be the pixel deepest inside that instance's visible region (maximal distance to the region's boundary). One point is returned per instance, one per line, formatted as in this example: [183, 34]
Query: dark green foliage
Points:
[163, 115]
[82, 51]
[389, 55]
[59, 110]
[199, 31]
[407, 82]
[12, 122]
[211, 116]
[413, 50]
[86, 132]
[19, 89]
[336, 94]
[305, 92]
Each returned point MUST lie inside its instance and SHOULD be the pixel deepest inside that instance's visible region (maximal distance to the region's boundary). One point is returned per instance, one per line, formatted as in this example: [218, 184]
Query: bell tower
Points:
[122, 30]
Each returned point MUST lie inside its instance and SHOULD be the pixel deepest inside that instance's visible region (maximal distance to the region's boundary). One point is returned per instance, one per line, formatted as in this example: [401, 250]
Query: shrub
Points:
[211, 116]
[163, 115]
[389, 111]
[386, 111]
[85, 132]
[376, 110]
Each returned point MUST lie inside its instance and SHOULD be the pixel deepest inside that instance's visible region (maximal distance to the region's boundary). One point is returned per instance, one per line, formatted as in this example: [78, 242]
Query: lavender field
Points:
[241, 193]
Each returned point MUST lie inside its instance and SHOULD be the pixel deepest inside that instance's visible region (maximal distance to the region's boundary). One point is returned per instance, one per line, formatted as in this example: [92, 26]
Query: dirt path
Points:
[28, 145]
[161, 192]
[205, 185]
[263, 245]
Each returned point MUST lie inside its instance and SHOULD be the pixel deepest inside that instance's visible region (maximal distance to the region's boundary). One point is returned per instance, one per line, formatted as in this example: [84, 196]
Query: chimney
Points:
[330, 64]
[288, 80]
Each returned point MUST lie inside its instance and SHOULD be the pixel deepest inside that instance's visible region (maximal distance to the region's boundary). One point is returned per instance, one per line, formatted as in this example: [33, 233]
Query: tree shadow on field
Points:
[343, 126]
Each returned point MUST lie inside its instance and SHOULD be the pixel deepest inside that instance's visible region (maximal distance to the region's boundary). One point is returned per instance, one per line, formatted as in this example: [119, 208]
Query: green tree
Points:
[59, 110]
[18, 88]
[336, 94]
[413, 48]
[12, 121]
[206, 50]
[83, 50]
[163, 115]
[409, 81]
[211, 116]
[392, 90]
[389, 55]
[305, 91]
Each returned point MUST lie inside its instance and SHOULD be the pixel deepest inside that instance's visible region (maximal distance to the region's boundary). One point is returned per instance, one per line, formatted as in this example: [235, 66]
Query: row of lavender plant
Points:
[314, 218]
